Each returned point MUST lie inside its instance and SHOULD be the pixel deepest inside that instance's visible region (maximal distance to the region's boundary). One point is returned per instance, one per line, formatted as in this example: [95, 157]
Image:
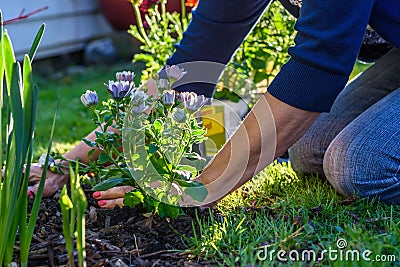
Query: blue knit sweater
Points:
[329, 37]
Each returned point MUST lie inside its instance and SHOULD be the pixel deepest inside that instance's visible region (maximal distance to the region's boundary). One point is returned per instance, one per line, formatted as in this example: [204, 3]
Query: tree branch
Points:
[22, 16]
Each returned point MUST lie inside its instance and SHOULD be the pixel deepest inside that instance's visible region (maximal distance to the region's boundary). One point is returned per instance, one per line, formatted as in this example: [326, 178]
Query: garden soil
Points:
[118, 237]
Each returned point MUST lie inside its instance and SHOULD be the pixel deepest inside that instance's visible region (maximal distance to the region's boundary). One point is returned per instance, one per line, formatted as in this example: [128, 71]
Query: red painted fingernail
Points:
[96, 194]
[102, 202]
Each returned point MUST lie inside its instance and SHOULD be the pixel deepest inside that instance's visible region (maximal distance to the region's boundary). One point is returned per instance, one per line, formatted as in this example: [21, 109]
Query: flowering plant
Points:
[146, 137]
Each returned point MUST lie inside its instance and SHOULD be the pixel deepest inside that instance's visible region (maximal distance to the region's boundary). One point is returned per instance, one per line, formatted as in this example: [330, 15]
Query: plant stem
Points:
[183, 10]
[140, 23]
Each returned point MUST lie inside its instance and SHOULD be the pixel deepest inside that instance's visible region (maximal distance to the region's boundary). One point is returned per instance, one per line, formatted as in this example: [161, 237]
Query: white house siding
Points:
[69, 25]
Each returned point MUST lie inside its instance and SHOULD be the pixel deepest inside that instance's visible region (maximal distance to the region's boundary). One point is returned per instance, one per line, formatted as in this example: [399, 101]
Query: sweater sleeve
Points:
[329, 37]
[215, 32]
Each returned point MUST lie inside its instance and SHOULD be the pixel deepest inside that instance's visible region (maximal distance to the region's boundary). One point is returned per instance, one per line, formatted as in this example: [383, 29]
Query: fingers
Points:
[112, 197]
[53, 182]
[50, 188]
[112, 193]
[111, 203]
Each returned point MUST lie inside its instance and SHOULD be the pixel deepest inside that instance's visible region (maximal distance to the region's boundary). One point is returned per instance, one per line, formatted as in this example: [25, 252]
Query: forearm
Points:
[80, 151]
[255, 137]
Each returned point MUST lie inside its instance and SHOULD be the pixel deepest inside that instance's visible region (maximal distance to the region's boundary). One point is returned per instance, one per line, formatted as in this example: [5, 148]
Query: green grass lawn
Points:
[74, 120]
[278, 210]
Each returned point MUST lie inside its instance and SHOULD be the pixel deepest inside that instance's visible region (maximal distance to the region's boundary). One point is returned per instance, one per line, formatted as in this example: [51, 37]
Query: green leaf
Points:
[36, 42]
[66, 202]
[157, 126]
[89, 143]
[194, 189]
[165, 210]
[188, 168]
[258, 63]
[233, 97]
[30, 99]
[194, 156]
[65, 212]
[220, 94]
[197, 193]
[199, 132]
[1, 65]
[159, 164]
[259, 77]
[110, 183]
[9, 58]
[133, 198]
[90, 153]
[152, 148]
[103, 158]
[99, 134]
[150, 204]
[185, 175]
[189, 183]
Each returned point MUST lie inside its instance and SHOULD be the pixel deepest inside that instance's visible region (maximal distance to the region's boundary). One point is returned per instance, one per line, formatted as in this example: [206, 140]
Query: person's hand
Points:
[53, 182]
[112, 197]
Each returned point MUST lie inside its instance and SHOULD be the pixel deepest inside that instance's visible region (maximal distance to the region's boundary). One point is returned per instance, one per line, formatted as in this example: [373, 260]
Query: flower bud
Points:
[89, 98]
[163, 84]
[138, 97]
[174, 73]
[194, 102]
[137, 109]
[126, 76]
[42, 160]
[168, 97]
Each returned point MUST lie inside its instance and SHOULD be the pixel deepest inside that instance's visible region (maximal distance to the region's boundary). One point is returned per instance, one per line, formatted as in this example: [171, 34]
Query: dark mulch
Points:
[118, 237]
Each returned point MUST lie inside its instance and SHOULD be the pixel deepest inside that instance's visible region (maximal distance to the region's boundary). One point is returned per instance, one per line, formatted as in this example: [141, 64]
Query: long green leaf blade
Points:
[9, 58]
[30, 106]
[36, 42]
[29, 102]
[38, 197]
[1, 66]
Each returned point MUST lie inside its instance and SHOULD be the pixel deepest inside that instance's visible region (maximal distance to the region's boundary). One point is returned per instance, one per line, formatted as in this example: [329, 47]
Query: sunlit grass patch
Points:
[280, 210]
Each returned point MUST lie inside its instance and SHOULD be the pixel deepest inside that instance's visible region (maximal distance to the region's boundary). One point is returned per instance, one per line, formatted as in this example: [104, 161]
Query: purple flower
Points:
[126, 76]
[174, 73]
[163, 84]
[192, 101]
[168, 97]
[42, 160]
[118, 90]
[138, 97]
[137, 109]
[90, 98]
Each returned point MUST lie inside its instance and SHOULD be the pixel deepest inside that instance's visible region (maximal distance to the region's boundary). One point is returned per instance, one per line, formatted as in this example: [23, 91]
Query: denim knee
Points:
[306, 156]
[361, 165]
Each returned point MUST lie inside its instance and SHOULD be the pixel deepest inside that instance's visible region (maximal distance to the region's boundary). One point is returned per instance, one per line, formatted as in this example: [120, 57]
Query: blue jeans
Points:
[357, 145]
